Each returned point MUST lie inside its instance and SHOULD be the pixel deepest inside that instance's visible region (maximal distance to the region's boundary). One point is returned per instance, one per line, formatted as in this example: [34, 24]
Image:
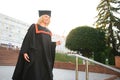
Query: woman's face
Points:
[46, 19]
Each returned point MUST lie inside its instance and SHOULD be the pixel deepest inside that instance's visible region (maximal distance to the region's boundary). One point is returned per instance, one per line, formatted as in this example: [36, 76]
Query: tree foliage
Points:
[86, 40]
[108, 20]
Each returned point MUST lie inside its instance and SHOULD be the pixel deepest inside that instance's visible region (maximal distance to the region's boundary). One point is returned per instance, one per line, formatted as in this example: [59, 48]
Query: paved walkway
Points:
[59, 74]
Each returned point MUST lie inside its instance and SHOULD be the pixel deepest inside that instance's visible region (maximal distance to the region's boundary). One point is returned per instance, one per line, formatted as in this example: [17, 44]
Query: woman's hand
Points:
[26, 57]
[58, 43]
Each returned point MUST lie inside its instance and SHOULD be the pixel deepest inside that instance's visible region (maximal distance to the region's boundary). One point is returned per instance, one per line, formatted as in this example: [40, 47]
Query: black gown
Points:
[37, 43]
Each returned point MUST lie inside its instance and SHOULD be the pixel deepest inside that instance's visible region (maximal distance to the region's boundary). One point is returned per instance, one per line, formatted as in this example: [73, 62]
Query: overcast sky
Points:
[66, 14]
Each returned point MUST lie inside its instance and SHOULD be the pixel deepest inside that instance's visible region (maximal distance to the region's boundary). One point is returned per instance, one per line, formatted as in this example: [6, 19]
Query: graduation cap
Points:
[43, 12]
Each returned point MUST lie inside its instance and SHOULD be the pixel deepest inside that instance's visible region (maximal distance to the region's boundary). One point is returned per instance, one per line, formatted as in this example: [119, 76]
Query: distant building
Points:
[12, 32]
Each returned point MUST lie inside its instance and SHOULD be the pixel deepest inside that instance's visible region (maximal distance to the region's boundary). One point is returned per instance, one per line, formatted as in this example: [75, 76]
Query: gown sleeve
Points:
[27, 40]
[53, 44]
[53, 47]
[17, 75]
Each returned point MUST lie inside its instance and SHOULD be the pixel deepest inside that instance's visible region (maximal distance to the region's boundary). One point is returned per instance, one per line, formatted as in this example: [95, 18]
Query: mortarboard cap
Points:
[43, 12]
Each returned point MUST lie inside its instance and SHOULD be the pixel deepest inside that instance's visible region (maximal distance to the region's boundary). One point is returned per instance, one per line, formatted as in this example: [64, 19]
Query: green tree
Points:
[86, 40]
[108, 11]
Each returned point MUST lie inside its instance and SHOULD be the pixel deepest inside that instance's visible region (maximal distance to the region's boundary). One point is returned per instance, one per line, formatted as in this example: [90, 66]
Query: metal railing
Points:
[86, 63]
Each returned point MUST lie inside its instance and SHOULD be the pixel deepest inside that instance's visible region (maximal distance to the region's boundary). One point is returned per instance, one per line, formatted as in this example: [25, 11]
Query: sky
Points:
[66, 14]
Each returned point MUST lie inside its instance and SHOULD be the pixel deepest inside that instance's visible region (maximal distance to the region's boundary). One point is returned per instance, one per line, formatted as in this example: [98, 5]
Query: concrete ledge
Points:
[92, 68]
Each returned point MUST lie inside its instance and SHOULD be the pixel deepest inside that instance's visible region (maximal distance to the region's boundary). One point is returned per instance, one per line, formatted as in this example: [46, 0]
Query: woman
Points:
[36, 57]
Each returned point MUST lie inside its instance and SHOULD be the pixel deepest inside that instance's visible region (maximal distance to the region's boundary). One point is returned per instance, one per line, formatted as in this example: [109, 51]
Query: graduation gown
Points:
[37, 43]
